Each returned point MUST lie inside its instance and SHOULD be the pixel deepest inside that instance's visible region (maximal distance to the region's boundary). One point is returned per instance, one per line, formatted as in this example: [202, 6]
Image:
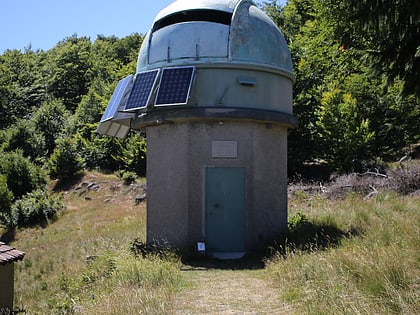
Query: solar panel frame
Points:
[142, 90]
[117, 98]
[175, 86]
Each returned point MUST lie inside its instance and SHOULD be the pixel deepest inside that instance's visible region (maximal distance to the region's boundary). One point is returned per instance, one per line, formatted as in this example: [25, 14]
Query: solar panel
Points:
[116, 99]
[142, 90]
[175, 86]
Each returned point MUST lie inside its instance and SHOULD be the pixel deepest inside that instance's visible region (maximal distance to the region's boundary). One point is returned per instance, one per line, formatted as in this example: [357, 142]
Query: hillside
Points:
[356, 256]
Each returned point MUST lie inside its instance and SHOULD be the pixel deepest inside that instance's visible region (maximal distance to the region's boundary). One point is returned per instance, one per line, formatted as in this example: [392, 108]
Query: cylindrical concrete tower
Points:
[213, 94]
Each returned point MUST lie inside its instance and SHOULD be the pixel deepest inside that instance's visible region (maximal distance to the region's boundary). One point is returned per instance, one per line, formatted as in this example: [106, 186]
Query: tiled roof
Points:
[9, 254]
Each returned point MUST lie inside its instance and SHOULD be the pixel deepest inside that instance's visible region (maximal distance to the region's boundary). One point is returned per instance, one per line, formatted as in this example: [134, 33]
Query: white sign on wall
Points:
[224, 149]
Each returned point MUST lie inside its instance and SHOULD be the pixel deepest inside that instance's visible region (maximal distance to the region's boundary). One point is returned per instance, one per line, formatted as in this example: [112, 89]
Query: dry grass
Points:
[375, 272]
[81, 262]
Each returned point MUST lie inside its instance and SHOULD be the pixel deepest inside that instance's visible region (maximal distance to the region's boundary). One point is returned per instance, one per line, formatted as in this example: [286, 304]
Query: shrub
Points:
[23, 135]
[37, 207]
[297, 221]
[6, 197]
[22, 175]
[126, 176]
[65, 162]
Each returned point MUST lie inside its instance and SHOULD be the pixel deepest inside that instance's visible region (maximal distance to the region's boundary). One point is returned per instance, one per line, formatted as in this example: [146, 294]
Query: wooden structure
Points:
[8, 256]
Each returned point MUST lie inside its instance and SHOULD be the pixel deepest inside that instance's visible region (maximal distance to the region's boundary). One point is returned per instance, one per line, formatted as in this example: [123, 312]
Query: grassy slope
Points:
[375, 271]
[55, 274]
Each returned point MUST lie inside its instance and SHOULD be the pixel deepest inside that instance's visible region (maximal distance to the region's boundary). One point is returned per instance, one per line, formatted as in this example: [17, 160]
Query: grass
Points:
[343, 256]
[374, 271]
[82, 262]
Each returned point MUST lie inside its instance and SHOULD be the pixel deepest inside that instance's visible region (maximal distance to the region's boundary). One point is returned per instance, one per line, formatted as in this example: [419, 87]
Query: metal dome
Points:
[215, 31]
[210, 59]
[184, 5]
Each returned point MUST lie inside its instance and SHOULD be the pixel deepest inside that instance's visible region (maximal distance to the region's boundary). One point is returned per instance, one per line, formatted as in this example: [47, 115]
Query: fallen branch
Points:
[372, 193]
[377, 174]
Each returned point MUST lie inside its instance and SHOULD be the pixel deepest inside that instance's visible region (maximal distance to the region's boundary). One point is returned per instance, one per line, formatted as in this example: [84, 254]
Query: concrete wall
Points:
[6, 286]
[177, 155]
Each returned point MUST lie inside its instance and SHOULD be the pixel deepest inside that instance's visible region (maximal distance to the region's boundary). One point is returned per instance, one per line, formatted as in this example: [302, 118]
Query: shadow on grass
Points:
[7, 235]
[251, 261]
[306, 237]
[303, 236]
[64, 185]
[311, 237]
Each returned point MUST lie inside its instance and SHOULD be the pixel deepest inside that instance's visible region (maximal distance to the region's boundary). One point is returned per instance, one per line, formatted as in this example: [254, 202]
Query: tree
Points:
[331, 52]
[21, 174]
[92, 105]
[387, 30]
[24, 135]
[133, 154]
[97, 151]
[21, 85]
[50, 121]
[64, 162]
[70, 70]
[344, 133]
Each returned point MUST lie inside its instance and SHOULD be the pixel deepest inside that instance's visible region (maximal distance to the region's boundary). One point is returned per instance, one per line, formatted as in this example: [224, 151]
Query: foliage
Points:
[50, 120]
[91, 107]
[133, 154]
[366, 63]
[69, 68]
[344, 133]
[36, 208]
[65, 162]
[23, 135]
[127, 177]
[6, 198]
[21, 85]
[356, 61]
[387, 31]
[296, 222]
[22, 175]
[97, 151]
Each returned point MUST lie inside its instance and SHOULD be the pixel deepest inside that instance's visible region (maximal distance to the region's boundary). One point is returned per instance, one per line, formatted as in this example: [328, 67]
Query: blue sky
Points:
[43, 23]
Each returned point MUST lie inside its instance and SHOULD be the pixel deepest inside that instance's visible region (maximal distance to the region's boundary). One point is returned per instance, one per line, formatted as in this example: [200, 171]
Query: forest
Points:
[356, 96]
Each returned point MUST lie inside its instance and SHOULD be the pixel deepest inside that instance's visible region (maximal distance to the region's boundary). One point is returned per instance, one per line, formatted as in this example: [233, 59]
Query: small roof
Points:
[9, 254]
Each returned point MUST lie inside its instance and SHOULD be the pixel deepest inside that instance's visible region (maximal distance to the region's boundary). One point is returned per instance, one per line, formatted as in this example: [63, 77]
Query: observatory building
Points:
[213, 95]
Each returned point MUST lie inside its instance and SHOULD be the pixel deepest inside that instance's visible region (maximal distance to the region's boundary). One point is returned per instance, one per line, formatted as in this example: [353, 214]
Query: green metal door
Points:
[225, 209]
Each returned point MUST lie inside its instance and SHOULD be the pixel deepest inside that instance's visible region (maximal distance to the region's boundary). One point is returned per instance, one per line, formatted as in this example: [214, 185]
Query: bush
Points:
[126, 176]
[22, 175]
[23, 135]
[65, 162]
[37, 207]
[296, 222]
[6, 197]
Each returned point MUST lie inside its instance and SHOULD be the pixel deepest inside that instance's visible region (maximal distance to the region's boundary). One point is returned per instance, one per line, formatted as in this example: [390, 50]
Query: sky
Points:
[41, 24]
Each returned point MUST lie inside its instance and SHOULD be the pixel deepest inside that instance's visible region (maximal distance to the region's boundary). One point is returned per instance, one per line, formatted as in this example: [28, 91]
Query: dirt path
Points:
[214, 291]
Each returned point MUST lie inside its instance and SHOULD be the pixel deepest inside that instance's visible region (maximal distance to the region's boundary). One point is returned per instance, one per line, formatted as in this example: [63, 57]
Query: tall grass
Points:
[82, 262]
[374, 271]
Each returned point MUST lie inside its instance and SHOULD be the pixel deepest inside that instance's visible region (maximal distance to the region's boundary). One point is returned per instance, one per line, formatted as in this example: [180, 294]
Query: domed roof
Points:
[185, 5]
[187, 32]
[255, 38]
